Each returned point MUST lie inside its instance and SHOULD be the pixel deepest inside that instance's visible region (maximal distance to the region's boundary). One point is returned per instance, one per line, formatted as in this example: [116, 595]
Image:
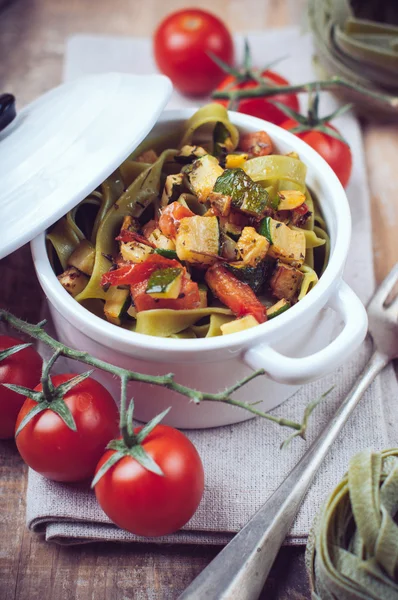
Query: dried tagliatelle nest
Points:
[352, 551]
[358, 41]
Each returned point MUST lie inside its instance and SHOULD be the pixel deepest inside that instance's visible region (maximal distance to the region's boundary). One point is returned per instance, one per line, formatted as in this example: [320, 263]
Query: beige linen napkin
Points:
[243, 463]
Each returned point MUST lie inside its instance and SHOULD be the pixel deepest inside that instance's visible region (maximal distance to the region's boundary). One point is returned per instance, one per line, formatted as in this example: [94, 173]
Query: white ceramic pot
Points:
[293, 349]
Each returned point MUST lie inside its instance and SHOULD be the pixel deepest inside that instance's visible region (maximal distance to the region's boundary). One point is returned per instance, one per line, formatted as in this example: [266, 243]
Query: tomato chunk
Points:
[235, 294]
[256, 144]
[301, 210]
[189, 297]
[170, 218]
[300, 215]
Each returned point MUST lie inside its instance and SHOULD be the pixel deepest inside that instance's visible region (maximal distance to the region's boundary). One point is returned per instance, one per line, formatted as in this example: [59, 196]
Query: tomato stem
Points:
[47, 386]
[330, 84]
[37, 332]
[126, 413]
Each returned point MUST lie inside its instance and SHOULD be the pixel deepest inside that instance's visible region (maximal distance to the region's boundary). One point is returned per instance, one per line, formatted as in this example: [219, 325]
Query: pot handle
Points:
[296, 371]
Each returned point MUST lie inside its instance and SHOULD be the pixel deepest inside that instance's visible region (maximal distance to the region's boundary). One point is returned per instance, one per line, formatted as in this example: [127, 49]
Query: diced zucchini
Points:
[173, 188]
[236, 161]
[253, 276]
[158, 239]
[252, 247]
[264, 228]
[73, 280]
[286, 244]
[242, 324]
[203, 175]
[247, 196]
[188, 154]
[135, 251]
[198, 240]
[203, 291]
[116, 304]
[290, 199]
[166, 253]
[165, 283]
[221, 203]
[234, 231]
[286, 282]
[83, 257]
[278, 308]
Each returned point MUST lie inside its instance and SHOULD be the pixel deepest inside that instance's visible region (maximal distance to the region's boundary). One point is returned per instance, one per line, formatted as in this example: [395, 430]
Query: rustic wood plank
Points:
[12, 509]
[32, 38]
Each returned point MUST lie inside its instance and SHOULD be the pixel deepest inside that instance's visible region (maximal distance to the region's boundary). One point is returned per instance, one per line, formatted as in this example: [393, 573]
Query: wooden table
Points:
[32, 38]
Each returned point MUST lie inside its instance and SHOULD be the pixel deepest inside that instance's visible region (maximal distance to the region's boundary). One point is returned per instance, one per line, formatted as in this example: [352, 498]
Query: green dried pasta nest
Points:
[358, 41]
[352, 551]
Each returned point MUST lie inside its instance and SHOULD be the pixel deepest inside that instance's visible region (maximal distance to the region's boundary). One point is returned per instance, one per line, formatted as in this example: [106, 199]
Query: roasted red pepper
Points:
[235, 294]
[137, 272]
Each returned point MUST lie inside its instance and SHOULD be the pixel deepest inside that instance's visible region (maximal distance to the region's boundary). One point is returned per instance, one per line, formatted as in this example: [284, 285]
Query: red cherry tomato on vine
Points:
[22, 368]
[52, 449]
[336, 153]
[181, 44]
[261, 107]
[148, 504]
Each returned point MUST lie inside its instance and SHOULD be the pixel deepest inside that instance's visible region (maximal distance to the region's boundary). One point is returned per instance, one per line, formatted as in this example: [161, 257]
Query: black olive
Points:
[7, 110]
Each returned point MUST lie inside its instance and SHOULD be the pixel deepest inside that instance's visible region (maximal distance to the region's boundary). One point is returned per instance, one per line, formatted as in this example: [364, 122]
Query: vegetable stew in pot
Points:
[213, 237]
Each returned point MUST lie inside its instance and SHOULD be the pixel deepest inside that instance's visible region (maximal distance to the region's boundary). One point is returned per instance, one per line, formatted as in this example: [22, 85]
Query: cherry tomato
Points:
[336, 153]
[235, 294]
[52, 449]
[148, 504]
[261, 107]
[21, 368]
[181, 44]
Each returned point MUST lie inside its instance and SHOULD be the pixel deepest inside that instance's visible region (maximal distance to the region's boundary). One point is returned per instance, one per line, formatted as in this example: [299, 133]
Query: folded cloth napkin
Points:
[243, 463]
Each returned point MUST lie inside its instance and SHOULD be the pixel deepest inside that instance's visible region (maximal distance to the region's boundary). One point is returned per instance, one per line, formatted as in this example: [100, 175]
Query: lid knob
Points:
[7, 110]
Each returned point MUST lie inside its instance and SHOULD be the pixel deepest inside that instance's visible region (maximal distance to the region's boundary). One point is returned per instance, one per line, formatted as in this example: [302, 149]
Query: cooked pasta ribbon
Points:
[312, 240]
[273, 167]
[64, 240]
[138, 196]
[310, 279]
[205, 117]
[322, 233]
[164, 322]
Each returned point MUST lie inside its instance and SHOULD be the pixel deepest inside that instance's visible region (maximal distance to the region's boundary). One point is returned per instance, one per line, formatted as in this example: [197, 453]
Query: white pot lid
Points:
[63, 145]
